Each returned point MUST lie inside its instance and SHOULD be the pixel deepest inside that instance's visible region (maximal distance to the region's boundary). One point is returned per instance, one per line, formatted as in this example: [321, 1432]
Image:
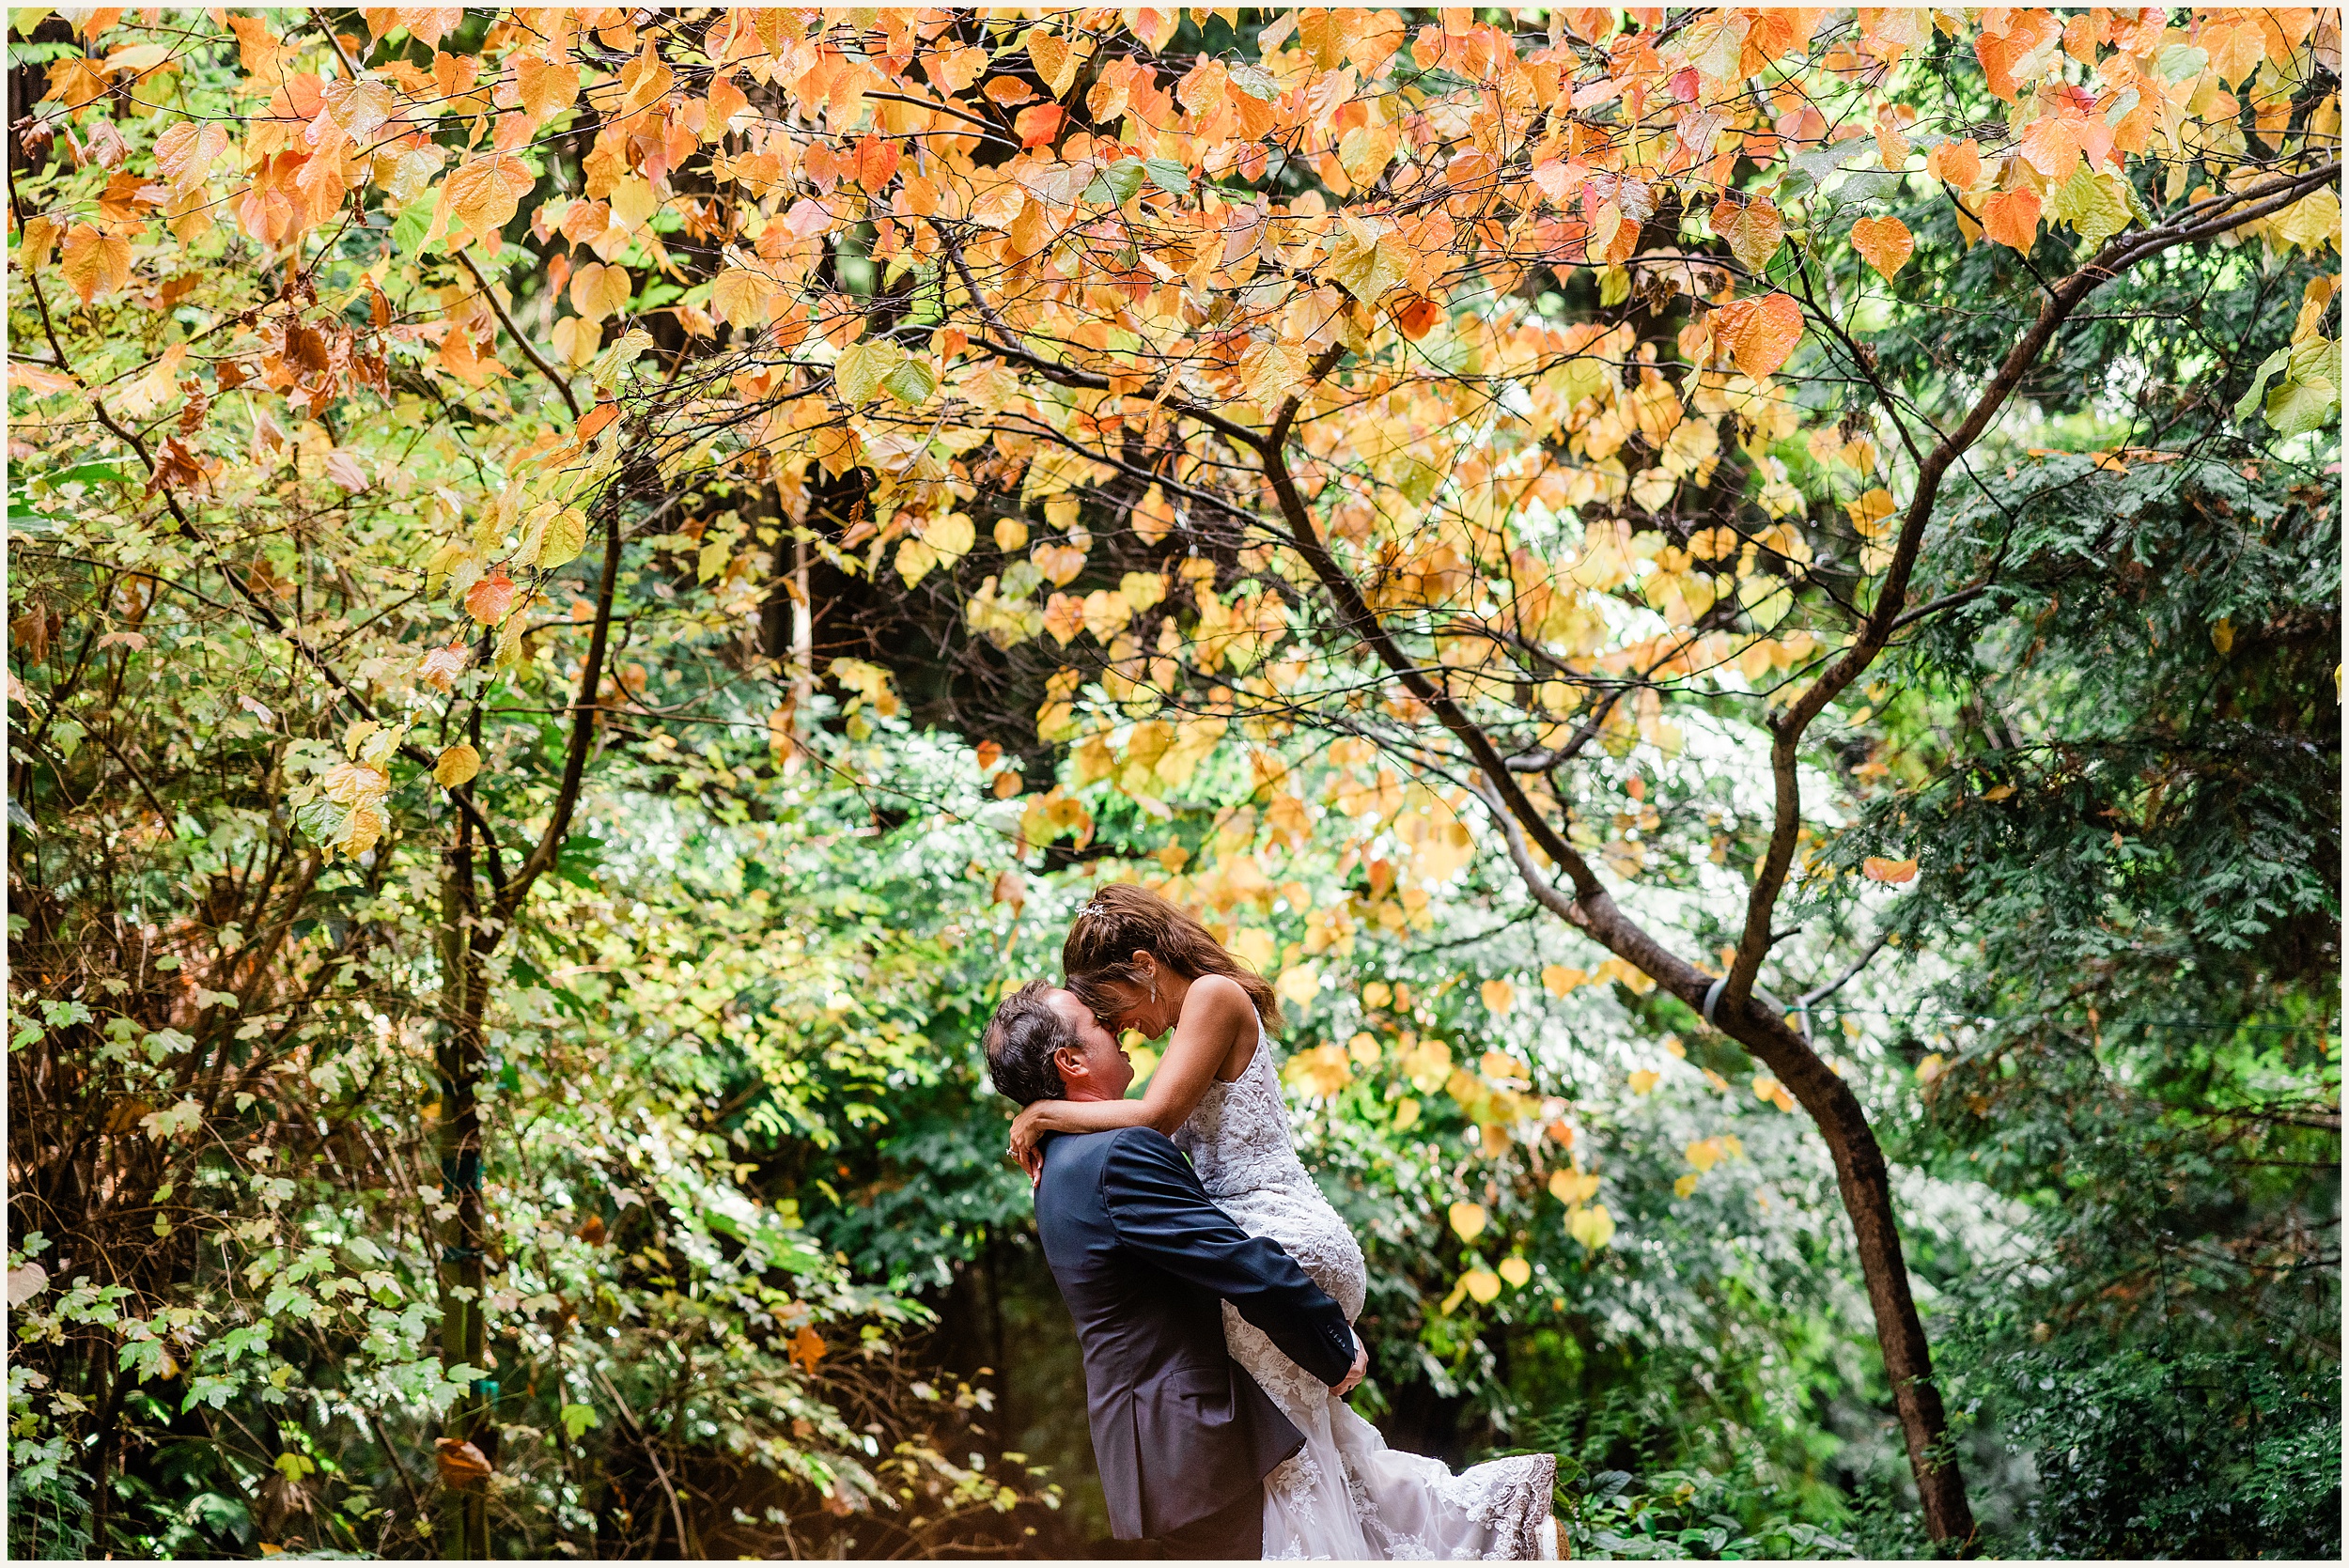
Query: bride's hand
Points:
[1358, 1370]
[1027, 1130]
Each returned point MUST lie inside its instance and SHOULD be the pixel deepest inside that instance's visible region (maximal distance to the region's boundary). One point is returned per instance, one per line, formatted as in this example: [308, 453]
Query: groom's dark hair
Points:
[1021, 1040]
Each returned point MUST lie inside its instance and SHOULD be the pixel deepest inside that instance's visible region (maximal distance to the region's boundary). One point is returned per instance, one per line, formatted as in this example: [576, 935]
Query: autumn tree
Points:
[1504, 405]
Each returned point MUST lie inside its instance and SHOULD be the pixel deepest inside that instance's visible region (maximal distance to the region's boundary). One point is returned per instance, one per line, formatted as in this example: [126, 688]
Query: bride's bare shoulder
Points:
[1224, 1007]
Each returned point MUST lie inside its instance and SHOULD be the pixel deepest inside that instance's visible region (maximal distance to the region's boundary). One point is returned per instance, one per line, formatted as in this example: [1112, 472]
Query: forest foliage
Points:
[1739, 606]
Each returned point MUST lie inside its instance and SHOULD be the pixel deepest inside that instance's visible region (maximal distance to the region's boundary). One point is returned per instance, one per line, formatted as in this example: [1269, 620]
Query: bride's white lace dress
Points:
[1344, 1495]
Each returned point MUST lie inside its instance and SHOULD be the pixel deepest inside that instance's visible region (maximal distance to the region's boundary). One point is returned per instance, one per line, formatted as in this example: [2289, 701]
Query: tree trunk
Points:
[1865, 1182]
[464, 1512]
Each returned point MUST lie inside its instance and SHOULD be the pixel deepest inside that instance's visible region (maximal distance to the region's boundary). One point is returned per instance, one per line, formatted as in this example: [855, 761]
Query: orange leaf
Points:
[2012, 218]
[1877, 868]
[1753, 231]
[2027, 31]
[488, 600]
[547, 86]
[591, 423]
[1957, 163]
[439, 668]
[1759, 333]
[1038, 123]
[95, 263]
[462, 1464]
[1883, 243]
[483, 194]
[1413, 318]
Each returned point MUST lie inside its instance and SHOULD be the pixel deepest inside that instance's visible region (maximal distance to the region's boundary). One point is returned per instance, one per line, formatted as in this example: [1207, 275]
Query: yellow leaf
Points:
[1573, 1188]
[857, 374]
[1704, 1153]
[1593, 1226]
[1516, 1271]
[1427, 1064]
[1467, 1220]
[1878, 868]
[1483, 1284]
[1932, 1067]
[1643, 1081]
[1867, 511]
[914, 560]
[2222, 634]
[1764, 1087]
[1998, 792]
[1298, 983]
[1499, 996]
[1406, 1114]
[1558, 980]
[1365, 264]
[599, 290]
[1685, 1185]
[742, 298]
[458, 765]
[1321, 1071]
[1884, 244]
[1254, 947]
[1142, 589]
[950, 533]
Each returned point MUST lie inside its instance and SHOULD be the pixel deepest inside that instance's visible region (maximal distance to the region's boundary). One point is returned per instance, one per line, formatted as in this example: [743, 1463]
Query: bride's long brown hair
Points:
[1122, 920]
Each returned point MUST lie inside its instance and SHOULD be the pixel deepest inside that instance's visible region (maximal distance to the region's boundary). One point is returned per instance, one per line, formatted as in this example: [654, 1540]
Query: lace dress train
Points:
[1345, 1494]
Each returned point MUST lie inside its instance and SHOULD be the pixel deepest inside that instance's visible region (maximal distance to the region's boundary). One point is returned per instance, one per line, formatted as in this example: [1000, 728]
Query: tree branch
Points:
[506, 320]
[583, 713]
[1878, 627]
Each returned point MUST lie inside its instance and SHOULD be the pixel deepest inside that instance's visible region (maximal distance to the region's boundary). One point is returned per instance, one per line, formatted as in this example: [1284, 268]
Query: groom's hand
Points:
[1360, 1370]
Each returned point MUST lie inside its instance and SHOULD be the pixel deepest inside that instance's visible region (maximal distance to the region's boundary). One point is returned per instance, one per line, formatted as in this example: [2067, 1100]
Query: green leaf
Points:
[1168, 175]
[1125, 177]
[410, 228]
[579, 1418]
[87, 474]
[2091, 203]
[2308, 397]
[2248, 405]
[910, 382]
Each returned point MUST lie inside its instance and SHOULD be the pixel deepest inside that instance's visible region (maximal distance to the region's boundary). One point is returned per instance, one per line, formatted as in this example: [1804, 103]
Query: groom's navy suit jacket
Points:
[1143, 1258]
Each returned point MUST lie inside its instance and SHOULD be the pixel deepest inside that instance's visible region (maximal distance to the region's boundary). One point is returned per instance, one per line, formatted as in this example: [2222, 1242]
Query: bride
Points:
[1140, 963]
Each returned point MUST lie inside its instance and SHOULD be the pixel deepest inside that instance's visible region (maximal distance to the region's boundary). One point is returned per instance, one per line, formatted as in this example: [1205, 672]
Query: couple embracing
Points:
[1214, 1295]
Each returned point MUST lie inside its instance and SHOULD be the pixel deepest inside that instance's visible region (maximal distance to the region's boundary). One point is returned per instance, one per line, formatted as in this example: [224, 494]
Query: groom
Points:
[1182, 1436]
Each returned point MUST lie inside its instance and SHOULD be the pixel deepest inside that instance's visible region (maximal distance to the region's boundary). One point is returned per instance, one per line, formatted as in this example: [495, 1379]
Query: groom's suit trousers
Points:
[1145, 1260]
